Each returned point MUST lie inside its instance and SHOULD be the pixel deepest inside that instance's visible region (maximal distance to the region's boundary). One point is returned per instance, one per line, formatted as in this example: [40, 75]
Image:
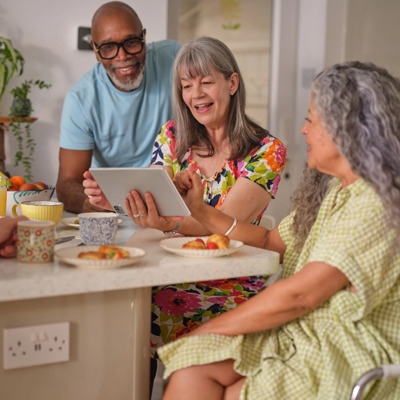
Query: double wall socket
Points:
[35, 345]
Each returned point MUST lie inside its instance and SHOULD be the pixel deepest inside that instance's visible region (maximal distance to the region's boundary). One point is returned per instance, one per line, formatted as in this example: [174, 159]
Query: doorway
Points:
[245, 27]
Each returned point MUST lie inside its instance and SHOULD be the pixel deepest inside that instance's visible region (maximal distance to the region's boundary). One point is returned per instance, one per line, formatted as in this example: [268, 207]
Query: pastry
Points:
[219, 239]
[92, 255]
[106, 252]
[110, 250]
[195, 244]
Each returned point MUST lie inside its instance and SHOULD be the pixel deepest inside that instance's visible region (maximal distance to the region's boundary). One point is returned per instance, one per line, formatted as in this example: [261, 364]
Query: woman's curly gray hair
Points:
[359, 105]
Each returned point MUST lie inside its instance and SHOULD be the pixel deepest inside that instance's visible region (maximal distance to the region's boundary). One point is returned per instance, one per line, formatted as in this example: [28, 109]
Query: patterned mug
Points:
[35, 241]
[98, 227]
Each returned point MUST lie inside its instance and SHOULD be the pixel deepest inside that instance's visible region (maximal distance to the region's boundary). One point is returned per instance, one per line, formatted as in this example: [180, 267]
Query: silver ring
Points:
[139, 215]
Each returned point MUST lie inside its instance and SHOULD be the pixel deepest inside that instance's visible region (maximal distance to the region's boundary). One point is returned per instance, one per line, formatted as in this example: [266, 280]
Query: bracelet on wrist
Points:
[231, 228]
[173, 231]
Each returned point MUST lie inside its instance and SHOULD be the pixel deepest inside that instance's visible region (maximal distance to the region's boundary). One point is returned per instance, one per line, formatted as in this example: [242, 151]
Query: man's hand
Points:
[94, 193]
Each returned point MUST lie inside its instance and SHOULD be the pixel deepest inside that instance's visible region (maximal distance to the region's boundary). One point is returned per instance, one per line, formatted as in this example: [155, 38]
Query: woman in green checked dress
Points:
[335, 313]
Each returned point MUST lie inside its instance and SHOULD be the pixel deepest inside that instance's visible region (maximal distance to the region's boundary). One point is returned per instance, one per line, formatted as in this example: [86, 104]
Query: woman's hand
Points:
[145, 213]
[94, 193]
[194, 193]
[182, 182]
[8, 236]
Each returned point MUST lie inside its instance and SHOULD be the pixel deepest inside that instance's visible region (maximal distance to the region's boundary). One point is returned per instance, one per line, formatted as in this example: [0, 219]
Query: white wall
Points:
[373, 32]
[45, 32]
[298, 52]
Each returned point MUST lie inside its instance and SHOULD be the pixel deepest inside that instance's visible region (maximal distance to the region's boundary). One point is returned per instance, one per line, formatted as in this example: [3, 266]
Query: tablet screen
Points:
[117, 182]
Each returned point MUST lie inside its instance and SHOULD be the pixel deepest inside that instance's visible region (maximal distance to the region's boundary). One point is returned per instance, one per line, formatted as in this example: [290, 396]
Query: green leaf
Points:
[196, 318]
[12, 63]
[164, 332]
[164, 317]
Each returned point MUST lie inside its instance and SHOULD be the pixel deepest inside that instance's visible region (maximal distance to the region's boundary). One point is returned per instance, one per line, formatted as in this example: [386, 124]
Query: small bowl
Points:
[98, 227]
[20, 196]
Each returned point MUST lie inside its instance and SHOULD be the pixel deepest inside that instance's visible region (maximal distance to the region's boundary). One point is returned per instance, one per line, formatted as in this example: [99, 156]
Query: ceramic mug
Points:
[3, 195]
[35, 241]
[40, 210]
[98, 227]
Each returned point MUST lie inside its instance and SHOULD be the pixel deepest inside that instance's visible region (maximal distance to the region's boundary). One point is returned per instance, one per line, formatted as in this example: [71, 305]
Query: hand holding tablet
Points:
[117, 182]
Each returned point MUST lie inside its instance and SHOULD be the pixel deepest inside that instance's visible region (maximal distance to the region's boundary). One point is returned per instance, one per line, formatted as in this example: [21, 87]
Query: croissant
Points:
[219, 239]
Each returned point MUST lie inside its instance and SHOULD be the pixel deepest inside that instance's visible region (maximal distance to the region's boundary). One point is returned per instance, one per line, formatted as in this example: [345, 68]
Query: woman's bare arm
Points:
[245, 201]
[284, 301]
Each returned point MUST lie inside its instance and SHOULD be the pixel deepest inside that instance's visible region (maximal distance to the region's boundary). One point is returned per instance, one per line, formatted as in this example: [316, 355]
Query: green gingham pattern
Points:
[321, 355]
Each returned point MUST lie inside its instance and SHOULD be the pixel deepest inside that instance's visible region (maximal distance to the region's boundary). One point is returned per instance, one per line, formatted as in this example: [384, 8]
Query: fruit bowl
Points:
[19, 196]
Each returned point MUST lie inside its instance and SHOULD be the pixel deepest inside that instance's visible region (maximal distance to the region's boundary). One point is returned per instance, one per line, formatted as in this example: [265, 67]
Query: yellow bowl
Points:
[40, 210]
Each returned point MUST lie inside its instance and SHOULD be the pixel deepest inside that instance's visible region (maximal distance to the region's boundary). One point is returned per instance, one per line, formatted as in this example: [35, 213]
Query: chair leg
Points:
[153, 372]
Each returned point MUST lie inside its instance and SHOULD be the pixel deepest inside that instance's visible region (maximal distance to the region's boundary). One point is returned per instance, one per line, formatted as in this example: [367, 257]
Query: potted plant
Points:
[20, 125]
[22, 105]
[11, 63]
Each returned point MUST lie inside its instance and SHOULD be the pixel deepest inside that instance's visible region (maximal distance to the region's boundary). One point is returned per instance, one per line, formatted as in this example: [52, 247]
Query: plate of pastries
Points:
[100, 257]
[216, 245]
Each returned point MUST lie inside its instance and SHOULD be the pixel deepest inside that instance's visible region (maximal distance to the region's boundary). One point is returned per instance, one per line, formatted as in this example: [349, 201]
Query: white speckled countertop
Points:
[20, 281]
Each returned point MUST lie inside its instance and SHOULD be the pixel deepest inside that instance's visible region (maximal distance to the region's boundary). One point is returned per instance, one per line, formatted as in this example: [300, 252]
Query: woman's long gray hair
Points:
[202, 57]
[359, 105]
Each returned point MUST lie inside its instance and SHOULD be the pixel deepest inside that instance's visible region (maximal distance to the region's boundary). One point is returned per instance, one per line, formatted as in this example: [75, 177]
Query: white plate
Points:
[71, 222]
[174, 245]
[70, 256]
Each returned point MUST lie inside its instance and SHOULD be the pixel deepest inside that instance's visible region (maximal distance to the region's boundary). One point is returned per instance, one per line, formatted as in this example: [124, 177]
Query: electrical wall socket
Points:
[35, 345]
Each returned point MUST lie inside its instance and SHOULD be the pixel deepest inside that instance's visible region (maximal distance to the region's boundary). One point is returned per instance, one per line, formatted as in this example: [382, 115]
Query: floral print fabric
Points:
[177, 309]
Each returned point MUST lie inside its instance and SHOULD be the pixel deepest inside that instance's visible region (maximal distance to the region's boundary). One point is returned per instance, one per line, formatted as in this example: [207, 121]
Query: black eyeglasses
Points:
[108, 51]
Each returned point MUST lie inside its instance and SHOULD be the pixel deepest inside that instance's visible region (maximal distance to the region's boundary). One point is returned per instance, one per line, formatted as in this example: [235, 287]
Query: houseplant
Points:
[20, 125]
[11, 63]
[22, 105]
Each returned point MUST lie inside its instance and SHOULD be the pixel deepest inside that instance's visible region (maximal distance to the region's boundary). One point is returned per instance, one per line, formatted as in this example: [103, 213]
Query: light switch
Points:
[84, 38]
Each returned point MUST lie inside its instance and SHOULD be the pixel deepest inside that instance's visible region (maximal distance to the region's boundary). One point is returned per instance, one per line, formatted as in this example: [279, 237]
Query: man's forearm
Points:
[70, 192]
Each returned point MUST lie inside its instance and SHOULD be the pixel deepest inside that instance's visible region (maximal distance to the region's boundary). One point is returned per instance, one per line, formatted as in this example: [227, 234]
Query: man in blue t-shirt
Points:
[112, 115]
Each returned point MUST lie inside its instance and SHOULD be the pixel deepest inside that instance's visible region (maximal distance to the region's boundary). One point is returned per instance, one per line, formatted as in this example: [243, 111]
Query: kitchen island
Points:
[108, 312]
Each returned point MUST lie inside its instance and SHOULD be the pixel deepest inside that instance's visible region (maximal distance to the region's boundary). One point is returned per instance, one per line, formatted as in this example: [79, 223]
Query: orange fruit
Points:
[16, 182]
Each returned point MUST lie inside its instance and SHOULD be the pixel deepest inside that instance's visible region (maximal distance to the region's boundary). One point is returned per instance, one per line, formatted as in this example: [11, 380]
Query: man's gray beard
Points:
[128, 86]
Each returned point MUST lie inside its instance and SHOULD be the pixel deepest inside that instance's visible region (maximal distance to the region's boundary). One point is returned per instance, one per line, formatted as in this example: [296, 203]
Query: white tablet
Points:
[117, 182]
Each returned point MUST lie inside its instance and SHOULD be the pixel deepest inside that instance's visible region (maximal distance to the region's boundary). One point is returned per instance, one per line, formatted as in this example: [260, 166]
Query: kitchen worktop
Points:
[19, 281]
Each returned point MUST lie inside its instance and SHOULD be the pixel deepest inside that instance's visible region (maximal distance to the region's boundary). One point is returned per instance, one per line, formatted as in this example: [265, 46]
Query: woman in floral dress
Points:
[240, 166]
[335, 313]
[178, 309]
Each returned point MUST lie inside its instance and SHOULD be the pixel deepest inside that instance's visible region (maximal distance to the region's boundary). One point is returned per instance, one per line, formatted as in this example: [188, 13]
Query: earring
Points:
[232, 93]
